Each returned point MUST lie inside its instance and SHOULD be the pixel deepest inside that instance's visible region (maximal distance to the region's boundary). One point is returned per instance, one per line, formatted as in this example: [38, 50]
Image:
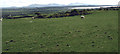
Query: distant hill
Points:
[74, 4]
[45, 5]
[54, 4]
[60, 5]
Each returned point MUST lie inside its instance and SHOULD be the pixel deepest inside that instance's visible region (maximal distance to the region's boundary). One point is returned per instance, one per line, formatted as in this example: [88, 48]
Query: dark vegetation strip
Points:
[72, 12]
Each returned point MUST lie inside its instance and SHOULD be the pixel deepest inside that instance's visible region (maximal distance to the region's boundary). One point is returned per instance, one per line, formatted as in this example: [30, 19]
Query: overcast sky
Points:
[20, 3]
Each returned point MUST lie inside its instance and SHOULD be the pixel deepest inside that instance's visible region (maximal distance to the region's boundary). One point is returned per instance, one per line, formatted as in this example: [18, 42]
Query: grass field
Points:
[98, 32]
[1, 37]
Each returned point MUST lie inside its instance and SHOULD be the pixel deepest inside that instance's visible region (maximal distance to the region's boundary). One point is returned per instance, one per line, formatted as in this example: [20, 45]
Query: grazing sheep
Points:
[33, 17]
[1, 19]
[82, 17]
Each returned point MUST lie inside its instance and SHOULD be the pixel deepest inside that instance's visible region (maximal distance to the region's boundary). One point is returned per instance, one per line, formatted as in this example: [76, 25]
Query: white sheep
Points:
[1, 19]
[33, 17]
[82, 17]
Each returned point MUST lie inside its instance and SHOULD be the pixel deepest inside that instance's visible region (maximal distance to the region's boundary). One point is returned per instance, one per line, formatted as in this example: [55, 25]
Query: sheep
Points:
[82, 17]
[1, 19]
[33, 17]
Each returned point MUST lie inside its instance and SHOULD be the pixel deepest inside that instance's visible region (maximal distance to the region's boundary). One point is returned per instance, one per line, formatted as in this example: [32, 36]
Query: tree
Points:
[38, 13]
[75, 12]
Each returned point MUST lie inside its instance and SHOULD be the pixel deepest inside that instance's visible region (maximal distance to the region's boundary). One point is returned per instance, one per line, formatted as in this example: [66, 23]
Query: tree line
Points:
[72, 12]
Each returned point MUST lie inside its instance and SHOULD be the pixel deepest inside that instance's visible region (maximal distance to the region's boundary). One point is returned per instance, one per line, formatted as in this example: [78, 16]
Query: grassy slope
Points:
[30, 34]
[0, 37]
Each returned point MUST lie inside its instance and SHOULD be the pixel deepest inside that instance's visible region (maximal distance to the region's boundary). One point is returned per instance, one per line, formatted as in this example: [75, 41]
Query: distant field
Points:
[98, 32]
[26, 11]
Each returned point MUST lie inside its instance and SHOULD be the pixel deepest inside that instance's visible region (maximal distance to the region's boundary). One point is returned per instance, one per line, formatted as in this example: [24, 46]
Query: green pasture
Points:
[98, 32]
